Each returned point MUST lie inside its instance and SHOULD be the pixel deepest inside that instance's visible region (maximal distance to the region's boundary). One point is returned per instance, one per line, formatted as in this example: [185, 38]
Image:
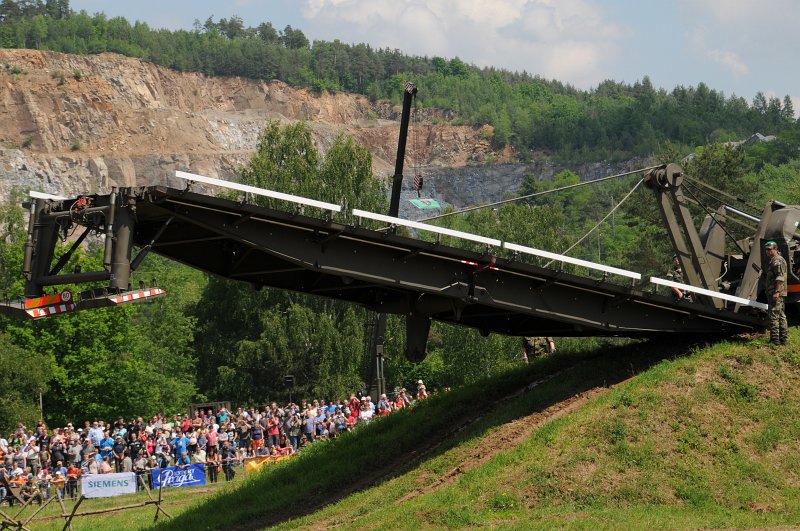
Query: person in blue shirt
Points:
[95, 435]
[180, 445]
[183, 460]
[308, 428]
[106, 446]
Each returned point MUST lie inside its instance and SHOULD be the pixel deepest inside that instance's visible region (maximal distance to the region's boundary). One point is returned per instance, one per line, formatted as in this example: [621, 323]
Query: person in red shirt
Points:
[273, 429]
[73, 473]
[284, 448]
[355, 404]
[150, 444]
[351, 421]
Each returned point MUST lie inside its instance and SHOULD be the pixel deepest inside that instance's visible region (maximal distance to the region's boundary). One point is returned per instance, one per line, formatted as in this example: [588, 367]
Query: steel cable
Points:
[571, 247]
[528, 196]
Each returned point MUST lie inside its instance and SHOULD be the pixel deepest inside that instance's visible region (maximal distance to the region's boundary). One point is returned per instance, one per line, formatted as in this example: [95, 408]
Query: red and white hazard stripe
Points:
[476, 264]
[65, 297]
[137, 295]
[47, 311]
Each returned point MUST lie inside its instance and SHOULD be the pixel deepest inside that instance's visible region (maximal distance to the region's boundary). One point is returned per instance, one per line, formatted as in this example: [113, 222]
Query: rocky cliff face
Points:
[74, 124]
[86, 123]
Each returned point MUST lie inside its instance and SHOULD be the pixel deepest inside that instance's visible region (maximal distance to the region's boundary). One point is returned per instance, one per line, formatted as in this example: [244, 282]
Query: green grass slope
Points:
[706, 440]
[709, 439]
[647, 435]
[640, 436]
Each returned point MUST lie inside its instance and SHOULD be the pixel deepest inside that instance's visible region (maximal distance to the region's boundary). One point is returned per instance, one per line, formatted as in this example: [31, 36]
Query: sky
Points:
[738, 47]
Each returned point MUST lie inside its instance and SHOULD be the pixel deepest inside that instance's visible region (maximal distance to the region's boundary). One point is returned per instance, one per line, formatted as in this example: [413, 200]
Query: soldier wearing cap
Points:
[775, 275]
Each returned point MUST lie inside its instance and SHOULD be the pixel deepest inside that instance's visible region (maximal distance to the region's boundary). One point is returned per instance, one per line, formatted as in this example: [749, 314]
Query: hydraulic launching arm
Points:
[666, 183]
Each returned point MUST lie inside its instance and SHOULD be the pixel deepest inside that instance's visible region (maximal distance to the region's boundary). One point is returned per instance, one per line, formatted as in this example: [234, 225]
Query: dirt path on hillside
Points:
[504, 438]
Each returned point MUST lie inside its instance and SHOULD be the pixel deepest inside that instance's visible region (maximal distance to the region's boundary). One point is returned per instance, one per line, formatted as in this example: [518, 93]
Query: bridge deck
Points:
[396, 274]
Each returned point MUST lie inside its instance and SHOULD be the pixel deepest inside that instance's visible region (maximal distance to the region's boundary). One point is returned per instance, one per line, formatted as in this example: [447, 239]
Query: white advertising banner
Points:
[106, 485]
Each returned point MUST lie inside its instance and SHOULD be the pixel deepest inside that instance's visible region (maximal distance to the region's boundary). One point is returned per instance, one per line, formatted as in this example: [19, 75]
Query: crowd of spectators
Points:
[41, 460]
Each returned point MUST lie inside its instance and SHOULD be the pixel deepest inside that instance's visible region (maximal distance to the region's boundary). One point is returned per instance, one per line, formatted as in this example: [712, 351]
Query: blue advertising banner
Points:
[173, 476]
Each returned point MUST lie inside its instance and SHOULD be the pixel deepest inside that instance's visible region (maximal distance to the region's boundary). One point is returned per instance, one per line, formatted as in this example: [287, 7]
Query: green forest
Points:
[214, 339]
[614, 121]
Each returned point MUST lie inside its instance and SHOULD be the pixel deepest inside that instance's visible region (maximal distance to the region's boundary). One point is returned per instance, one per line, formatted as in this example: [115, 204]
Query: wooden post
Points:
[68, 524]
[63, 507]
[145, 487]
[158, 503]
[115, 509]
[152, 501]
[22, 508]
[160, 488]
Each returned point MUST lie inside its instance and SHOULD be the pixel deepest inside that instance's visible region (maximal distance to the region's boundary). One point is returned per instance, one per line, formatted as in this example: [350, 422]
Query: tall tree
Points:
[244, 354]
[268, 33]
[787, 111]
[760, 103]
[24, 375]
[294, 38]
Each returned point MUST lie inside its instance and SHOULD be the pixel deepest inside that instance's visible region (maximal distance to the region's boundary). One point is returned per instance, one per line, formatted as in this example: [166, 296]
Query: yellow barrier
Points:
[251, 464]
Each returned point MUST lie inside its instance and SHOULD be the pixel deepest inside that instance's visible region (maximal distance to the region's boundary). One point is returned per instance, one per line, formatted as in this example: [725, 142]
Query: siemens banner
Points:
[173, 476]
[106, 485]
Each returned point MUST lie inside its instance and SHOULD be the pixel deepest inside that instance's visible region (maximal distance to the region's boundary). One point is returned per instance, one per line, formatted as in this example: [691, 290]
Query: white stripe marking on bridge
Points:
[258, 191]
[41, 195]
[573, 261]
[423, 226]
[708, 292]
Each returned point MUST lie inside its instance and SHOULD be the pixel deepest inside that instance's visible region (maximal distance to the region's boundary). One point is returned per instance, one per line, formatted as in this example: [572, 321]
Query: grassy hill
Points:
[706, 440]
[631, 436]
[646, 435]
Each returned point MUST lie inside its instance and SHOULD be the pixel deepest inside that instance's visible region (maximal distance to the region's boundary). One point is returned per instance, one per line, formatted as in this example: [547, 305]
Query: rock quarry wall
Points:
[75, 124]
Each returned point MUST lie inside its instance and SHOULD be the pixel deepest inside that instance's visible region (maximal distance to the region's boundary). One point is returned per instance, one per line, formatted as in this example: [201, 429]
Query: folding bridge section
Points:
[390, 273]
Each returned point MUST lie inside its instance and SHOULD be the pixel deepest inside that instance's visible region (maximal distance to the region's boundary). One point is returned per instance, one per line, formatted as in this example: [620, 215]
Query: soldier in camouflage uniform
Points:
[775, 276]
[536, 346]
[676, 275]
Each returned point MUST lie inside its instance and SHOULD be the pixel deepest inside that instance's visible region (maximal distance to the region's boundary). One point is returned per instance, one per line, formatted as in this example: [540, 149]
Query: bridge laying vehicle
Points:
[495, 286]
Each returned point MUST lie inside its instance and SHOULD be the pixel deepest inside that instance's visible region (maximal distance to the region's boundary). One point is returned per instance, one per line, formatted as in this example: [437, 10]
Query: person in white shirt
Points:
[199, 456]
[365, 415]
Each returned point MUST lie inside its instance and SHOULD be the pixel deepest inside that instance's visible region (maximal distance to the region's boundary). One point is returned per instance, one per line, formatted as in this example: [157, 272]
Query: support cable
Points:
[728, 219]
[709, 213]
[725, 194]
[513, 199]
[694, 185]
[571, 247]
